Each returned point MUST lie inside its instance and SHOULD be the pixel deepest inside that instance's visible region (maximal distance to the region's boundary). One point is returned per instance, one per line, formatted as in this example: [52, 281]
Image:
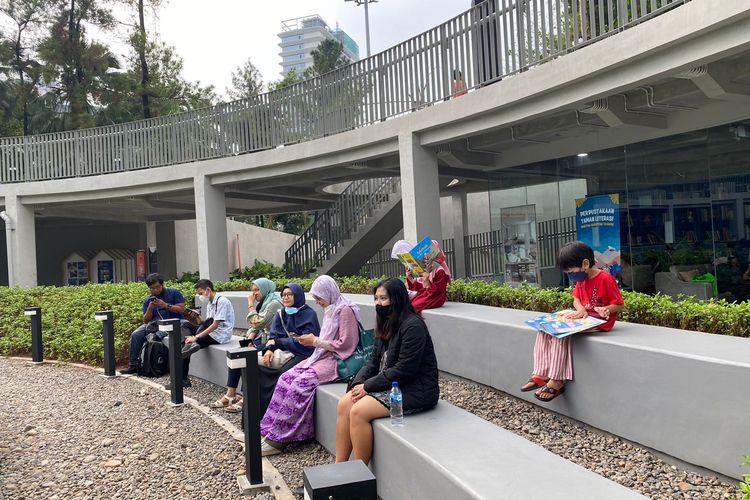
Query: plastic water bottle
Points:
[397, 406]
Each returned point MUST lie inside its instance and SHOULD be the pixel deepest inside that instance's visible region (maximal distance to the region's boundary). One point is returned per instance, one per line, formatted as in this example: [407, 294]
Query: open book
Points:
[422, 253]
[558, 326]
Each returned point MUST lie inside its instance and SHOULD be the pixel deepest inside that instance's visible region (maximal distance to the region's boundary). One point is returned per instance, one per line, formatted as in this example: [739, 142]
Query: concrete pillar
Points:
[460, 227]
[211, 228]
[21, 243]
[151, 235]
[166, 251]
[420, 189]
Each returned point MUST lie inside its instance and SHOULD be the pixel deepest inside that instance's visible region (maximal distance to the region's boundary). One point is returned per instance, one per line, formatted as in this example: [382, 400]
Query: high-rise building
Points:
[299, 37]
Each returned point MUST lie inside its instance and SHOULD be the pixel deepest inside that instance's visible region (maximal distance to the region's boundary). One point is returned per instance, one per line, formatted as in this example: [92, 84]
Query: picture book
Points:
[558, 326]
[421, 253]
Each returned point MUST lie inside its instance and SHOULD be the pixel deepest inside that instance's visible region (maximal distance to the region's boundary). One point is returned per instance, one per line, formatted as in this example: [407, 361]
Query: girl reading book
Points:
[595, 294]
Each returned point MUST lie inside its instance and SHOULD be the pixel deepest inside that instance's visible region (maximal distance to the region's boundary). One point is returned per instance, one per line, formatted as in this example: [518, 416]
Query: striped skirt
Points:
[553, 357]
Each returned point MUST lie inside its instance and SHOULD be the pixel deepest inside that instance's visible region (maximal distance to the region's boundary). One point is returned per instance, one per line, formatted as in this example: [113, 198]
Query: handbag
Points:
[349, 367]
[280, 356]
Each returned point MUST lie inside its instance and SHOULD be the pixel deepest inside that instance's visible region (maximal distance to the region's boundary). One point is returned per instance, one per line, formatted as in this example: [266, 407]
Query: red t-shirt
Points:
[601, 290]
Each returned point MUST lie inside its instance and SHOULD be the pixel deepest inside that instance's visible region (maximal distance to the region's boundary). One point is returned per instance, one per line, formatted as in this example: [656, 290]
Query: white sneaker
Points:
[267, 449]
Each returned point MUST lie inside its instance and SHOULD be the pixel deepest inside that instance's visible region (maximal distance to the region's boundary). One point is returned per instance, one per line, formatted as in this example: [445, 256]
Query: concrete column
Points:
[420, 189]
[211, 228]
[460, 227]
[151, 235]
[21, 243]
[166, 250]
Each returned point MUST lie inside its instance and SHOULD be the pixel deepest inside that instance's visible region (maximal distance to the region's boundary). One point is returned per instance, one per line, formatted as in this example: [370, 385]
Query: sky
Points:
[215, 37]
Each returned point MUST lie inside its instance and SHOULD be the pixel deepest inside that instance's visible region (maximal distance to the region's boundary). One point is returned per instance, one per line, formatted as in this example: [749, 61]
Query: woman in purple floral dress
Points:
[289, 417]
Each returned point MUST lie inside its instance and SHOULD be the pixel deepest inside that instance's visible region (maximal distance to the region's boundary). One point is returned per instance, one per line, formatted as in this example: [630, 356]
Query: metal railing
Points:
[334, 225]
[488, 42]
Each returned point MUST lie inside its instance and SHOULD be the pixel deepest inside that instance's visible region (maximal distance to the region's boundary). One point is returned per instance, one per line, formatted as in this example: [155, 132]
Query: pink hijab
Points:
[325, 287]
[443, 261]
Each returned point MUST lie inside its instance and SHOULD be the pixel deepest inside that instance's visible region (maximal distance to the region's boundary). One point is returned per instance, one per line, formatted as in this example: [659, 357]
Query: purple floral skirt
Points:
[289, 417]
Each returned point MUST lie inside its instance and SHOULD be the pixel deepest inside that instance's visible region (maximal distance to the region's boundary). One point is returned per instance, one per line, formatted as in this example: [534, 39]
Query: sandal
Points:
[236, 407]
[222, 402]
[537, 382]
[549, 390]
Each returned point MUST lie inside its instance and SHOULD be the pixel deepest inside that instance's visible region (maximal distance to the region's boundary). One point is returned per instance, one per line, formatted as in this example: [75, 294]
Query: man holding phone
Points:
[163, 303]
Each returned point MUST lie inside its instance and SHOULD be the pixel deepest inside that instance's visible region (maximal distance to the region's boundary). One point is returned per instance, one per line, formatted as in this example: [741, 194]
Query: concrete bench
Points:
[447, 452]
[675, 391]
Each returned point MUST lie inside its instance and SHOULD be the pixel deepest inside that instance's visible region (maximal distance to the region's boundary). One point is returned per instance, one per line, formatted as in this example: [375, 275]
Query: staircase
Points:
[366, 215]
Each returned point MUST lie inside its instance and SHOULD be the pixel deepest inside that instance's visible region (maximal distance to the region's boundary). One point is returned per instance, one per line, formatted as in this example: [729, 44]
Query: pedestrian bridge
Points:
[545, 79]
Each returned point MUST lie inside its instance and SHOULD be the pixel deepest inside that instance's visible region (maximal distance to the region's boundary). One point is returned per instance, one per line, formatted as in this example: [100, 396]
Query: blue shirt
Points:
[221, 310]
[171, 296]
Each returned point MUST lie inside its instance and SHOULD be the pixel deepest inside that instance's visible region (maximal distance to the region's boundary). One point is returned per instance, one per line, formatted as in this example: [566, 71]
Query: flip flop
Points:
[549, 390]
[537, 381]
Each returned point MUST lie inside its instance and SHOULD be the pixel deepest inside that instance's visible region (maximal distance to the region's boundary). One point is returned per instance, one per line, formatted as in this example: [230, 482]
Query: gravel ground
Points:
[66, 432]
[85, 443]
[607, 455]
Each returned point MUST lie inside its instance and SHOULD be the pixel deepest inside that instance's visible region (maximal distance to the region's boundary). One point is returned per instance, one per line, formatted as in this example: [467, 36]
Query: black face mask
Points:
[383, 311]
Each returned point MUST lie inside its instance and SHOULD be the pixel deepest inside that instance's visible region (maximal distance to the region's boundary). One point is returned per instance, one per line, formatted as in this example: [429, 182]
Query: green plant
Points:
[745, 483]
[260, 269]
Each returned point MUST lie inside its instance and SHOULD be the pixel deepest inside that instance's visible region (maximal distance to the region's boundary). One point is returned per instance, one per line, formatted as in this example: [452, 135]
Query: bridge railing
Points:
[486, 43]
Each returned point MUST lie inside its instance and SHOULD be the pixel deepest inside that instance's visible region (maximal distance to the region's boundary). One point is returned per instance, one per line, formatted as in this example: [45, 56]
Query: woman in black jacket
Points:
[404, 354]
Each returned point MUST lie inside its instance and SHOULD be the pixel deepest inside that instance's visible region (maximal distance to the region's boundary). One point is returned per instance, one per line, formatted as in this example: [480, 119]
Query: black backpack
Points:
[154, 359]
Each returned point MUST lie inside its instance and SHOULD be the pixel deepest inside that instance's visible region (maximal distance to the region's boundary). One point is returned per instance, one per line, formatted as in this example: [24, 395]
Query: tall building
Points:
[299, 37]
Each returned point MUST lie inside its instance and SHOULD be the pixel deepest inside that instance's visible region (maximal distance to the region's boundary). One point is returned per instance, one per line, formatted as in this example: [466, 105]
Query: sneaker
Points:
[267, 449]
[185, 383]
[130, 370]
[190, 349]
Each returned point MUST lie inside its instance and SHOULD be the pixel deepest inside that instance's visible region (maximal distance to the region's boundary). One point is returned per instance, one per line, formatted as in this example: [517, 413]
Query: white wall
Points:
[254, 243]
[478, 207]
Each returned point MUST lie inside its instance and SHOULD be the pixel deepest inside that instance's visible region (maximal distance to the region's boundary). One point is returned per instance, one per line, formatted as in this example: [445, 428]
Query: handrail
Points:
[484, 44]
[332, 226]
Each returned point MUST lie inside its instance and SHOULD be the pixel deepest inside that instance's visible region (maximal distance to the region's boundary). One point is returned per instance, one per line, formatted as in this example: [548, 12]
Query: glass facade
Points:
[684, 210]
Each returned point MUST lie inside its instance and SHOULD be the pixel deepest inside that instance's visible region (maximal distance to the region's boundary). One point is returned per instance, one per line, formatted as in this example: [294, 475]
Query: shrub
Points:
[72, 334]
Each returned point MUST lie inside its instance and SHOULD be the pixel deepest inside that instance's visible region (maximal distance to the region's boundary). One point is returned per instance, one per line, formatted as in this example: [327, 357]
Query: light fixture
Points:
[582, 155]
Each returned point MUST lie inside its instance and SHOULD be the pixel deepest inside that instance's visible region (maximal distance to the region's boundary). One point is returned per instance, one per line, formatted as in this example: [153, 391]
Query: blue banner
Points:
[598, 225]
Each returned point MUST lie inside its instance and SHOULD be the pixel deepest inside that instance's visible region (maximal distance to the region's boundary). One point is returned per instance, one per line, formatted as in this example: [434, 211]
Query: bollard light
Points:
[246, 358]
[342, 480]
[37, 351]
[108, 334]
[172, 328]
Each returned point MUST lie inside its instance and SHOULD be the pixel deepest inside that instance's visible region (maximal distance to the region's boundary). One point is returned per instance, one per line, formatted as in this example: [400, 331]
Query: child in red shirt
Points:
[595, 294]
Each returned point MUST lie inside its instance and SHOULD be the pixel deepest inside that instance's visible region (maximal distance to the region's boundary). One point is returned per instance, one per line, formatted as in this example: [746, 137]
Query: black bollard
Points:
[247, 359]
[108, 334]
[35, 315]
[172, 327]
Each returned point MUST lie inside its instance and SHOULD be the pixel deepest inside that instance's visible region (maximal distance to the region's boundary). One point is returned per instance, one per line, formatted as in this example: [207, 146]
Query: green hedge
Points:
[72, 334]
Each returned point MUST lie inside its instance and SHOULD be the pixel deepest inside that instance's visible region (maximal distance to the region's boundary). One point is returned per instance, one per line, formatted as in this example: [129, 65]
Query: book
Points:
[420, 254]
[557, 325]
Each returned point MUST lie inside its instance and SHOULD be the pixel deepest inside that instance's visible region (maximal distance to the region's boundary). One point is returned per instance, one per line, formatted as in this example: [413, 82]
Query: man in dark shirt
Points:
[163, 303]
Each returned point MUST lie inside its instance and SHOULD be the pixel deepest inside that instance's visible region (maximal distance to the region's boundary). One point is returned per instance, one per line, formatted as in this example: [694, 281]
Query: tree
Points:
[246, 82]
[328, 56]
[76, 68]
[17, 57]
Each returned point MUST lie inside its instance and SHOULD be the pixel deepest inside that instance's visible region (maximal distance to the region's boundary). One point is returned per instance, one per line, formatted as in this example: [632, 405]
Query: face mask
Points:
[201, 299]
[329, 309]
[383, 311]
[291, 310]
[577, 276]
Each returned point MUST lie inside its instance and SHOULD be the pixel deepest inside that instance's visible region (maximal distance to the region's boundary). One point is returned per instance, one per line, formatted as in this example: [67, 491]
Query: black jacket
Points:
[411, 362]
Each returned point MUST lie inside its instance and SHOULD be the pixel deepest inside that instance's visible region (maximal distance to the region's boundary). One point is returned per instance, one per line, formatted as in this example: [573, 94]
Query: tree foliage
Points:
[328, 56]
[246, 82]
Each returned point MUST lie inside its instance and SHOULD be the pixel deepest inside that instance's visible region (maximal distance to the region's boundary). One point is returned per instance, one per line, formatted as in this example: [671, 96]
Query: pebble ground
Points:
[67, 433]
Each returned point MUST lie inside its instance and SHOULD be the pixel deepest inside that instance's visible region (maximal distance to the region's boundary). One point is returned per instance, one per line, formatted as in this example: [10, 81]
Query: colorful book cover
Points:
[423, 252]
[558, 326]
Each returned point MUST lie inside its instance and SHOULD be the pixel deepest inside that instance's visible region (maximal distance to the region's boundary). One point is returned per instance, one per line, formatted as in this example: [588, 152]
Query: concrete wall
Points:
[56, 241]
[254, 243]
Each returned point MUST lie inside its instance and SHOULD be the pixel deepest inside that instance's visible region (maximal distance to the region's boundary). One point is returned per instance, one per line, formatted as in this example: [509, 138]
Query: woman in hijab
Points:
[262, 305]
[294, 319]
[289, 417]
[429, 290]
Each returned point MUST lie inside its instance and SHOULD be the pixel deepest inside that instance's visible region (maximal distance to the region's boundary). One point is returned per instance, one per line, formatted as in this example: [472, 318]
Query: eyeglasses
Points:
[287, 295]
